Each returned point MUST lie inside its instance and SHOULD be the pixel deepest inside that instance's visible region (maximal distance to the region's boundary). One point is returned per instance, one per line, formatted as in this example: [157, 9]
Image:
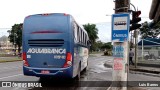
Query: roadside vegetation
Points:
[148, 30]
[15, 36]
[97, 46]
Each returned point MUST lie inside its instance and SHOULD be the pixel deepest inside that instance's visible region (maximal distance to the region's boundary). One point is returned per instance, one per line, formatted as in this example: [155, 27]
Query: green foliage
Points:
[101, 46]
[157, 29]
[157, 25]
[92, 33]
[107, 46]
[15, 35]
[147, 32]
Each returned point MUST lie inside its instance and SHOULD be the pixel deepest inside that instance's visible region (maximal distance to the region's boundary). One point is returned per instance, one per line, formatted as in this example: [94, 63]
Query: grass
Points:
[12, 60]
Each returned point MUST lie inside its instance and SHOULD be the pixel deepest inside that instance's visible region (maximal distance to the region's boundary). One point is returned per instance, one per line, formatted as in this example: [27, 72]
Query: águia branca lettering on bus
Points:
[47, 50]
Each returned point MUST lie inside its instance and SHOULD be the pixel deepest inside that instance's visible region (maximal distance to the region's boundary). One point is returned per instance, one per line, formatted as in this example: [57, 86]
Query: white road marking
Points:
[11, 76]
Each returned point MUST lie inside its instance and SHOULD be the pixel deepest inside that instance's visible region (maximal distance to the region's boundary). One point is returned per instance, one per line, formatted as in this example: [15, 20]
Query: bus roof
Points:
[46, 14]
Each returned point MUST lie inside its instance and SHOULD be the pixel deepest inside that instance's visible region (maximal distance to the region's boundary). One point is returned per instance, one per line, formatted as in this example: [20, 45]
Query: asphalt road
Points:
[12, 71]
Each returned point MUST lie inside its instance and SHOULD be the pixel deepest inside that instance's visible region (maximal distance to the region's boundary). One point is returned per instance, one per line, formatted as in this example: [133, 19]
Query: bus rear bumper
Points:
[48, 72]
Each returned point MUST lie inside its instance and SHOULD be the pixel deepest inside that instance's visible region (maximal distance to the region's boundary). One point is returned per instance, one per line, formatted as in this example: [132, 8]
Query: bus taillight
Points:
[68, 60]
[25, 62]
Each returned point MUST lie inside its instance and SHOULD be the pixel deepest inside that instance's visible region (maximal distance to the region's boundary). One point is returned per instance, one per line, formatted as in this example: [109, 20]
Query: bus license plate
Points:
[45, 72]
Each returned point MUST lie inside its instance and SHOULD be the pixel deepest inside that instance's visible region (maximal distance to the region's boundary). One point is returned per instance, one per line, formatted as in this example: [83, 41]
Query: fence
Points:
[149, 55]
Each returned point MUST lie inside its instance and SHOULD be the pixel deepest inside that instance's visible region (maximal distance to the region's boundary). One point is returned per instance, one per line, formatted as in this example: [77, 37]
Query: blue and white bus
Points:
[54, 45]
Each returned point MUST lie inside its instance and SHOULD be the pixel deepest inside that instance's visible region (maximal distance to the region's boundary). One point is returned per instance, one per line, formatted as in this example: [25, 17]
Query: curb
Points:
[144, 70]
[135, 69]
[107, 65]
[149, 65]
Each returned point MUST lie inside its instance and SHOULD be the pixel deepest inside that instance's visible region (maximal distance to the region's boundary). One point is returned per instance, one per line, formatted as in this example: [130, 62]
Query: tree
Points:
[92, 33]
[148, 32]
[157, 29]
[99, 44]
[107, 46]
[15, 35]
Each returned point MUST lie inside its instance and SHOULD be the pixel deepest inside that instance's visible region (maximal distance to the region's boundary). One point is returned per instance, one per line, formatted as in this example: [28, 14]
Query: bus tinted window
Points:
[42, 22]
[75, 32]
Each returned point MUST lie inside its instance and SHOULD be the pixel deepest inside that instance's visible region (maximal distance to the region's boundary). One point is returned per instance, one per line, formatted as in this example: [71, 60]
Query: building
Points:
[149, 49]
[6, 47]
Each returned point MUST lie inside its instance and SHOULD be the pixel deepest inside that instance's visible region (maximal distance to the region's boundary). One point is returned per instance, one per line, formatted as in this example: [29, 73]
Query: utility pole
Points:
[120, 48]
[135, 26]
[121, 6]
[131, 42]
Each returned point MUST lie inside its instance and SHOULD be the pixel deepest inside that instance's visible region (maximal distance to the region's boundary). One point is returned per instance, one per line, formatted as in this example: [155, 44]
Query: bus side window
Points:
[83, 38]
[80, 35]
[75, 32]
[79, 32]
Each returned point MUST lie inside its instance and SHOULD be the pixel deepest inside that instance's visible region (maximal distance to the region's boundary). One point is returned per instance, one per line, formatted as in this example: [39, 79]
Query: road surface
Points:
[12, 71]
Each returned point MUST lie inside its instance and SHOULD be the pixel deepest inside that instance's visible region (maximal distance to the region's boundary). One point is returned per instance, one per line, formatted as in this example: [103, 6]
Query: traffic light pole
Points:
[135, 56]
[135, 26]
[133, 6]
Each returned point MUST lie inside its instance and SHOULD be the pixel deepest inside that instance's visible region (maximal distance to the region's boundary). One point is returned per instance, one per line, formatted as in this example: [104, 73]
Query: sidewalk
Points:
[148, 66]
[154, 70]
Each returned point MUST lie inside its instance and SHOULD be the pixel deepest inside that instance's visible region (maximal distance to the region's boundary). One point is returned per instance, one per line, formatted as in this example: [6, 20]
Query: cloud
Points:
[84, 11]
[104, 31]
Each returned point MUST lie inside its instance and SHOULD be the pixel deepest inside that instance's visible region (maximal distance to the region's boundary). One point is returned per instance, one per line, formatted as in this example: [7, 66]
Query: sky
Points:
[84, 11]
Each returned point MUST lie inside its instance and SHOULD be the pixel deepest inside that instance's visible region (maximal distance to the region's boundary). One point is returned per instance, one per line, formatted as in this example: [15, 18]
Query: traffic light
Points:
[135, 20]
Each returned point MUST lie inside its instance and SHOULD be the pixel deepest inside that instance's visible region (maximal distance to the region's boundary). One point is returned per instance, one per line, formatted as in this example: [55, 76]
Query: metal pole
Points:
[131, 43]
[135, 32]
[133, 6]
[142, 50]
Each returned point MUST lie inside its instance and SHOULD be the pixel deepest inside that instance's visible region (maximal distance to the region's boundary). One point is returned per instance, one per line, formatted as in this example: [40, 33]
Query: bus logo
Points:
[47, 50]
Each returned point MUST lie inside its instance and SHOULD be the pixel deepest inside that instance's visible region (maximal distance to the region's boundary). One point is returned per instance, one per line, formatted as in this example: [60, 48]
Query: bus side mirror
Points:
[89, 42]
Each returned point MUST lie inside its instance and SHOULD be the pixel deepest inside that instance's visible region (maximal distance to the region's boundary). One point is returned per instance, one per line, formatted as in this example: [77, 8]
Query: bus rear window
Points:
[48, 24]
